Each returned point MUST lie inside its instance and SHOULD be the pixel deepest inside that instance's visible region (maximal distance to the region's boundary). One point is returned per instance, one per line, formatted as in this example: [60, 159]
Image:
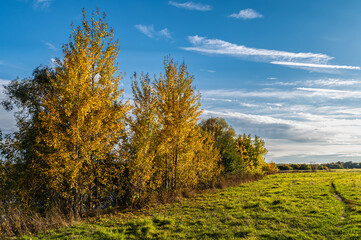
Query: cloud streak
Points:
[51, 46]
[334, 82]
[220, 47]
[246, 14]
[290, 59]
[208, 70]
[150, 32]
[42, 4]
[256, 119]
[313, 65]
[330, 82]
[191, 6]
[301, 92]
[332, 93]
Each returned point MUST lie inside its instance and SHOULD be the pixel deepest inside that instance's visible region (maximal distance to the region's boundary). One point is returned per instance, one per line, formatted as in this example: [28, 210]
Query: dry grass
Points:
[16, 221]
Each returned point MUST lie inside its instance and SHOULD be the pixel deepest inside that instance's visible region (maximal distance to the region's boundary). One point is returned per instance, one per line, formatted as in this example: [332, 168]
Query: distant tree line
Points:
[321, 166]
[79, 146]
[303, 166]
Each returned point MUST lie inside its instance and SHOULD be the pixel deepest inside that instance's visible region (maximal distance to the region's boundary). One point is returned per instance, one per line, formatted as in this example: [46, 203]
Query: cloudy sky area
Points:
[286, 70]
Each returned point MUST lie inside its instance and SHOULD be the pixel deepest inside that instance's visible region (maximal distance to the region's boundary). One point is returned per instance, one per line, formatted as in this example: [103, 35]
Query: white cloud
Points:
[147, 30]
[301, 92]
[314, 65]
[286, 151]
[208, 70]
[51, 46]
[330, 82]
[334, 82]
[165, 33]
[271, 78]
[150, 32]
[217, 46]
[191, 6]
[42, 4]
[266, 126]
[283, 83]
[262, 93]
[218, 99]
[246, 14]
[332, 93]
[297, 131]
[257, 119]
[299, 124]
[304, 60]
[250, 105]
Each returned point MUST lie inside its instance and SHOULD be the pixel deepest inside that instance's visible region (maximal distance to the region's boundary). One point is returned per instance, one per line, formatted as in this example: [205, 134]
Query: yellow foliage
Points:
[144, 128]
[270, 168]
[208, 160]
[83, 115]
[179, 137]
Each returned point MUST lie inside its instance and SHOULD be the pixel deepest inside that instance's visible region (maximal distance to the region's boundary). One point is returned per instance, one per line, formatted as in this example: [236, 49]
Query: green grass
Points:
[282, 206]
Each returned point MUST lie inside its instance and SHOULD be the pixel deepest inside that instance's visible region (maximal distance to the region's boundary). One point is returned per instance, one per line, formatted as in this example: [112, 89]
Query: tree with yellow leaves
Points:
[252, 153]
[142, 140]
[167, 149]
[178, 111]
[208, 160]
[83, 116]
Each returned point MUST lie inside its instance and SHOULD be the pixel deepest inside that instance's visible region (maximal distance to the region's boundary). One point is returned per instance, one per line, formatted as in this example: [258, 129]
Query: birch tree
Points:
[83, 116]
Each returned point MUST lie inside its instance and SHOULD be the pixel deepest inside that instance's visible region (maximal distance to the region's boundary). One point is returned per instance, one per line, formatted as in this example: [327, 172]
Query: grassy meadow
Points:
[312, 205]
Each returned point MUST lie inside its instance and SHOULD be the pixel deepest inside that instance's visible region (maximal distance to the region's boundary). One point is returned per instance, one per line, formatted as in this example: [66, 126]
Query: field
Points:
[313, 205]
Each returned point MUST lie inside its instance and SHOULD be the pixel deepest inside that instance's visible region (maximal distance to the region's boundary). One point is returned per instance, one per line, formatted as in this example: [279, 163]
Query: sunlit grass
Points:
[282, 206]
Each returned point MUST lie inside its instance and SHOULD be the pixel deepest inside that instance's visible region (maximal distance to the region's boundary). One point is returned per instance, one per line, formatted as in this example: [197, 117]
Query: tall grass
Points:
[15, 220]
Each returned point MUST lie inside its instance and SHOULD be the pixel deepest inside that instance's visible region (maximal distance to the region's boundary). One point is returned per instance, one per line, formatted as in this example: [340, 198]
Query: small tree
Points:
[252, 153]
[270, 168]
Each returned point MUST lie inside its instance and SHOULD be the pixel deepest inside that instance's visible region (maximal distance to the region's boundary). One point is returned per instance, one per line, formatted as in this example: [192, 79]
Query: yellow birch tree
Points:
[208, 160]
[178, 111]
[83, 116]
[252, 153]
[143, 139]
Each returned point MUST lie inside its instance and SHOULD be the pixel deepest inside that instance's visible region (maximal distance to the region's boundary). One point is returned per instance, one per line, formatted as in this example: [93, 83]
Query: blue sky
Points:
[286, 70]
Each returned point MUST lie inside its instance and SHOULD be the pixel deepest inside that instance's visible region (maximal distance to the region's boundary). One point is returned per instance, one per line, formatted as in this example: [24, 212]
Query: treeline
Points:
[81, 147]
[303, 166]
[322, 166]
[342, 165]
